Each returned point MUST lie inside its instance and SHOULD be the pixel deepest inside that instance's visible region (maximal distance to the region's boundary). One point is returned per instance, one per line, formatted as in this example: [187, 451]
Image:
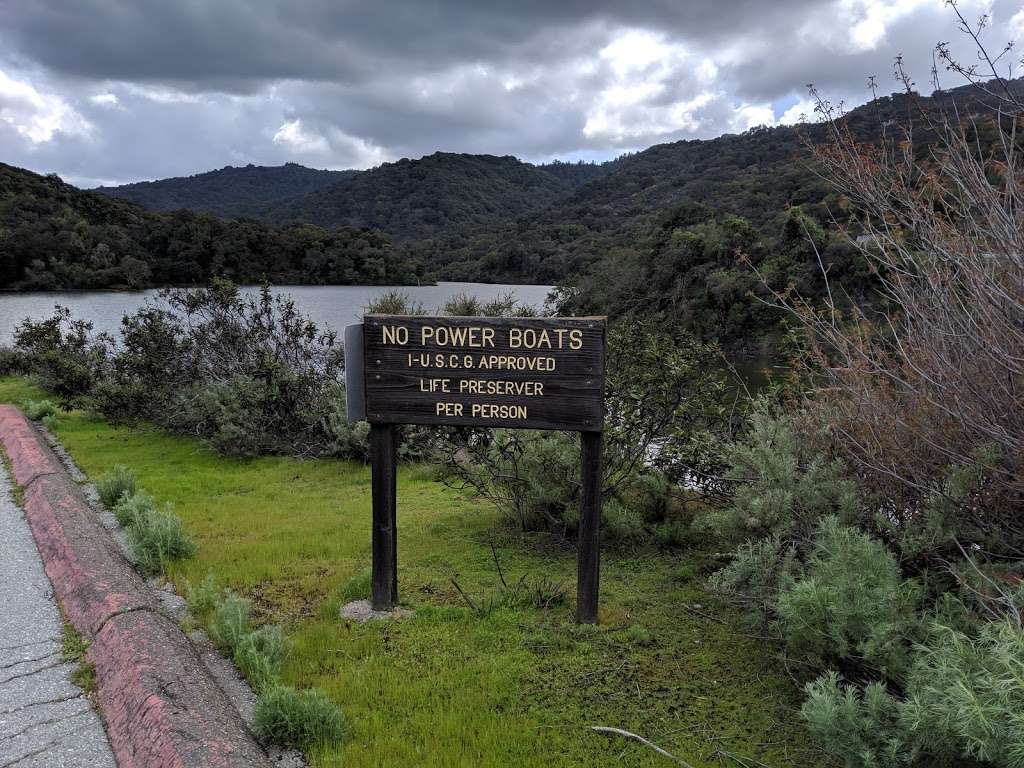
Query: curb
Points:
[160, 706]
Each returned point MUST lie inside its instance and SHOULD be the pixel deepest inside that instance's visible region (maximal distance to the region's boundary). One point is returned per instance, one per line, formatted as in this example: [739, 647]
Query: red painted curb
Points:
[160, 706]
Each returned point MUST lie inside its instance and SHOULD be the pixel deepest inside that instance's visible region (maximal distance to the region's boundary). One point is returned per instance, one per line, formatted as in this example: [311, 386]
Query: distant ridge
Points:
[229, 192]
[413, 199]
[55, 236]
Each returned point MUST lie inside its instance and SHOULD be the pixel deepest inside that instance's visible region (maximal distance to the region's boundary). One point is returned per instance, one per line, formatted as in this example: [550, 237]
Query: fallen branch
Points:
[642, 740]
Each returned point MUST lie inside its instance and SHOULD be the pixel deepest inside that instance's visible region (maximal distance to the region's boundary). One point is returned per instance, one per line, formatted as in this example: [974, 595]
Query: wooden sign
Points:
[527, 373]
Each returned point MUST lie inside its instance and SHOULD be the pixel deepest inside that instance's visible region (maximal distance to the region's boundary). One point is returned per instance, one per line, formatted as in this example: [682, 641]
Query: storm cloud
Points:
[109, 91]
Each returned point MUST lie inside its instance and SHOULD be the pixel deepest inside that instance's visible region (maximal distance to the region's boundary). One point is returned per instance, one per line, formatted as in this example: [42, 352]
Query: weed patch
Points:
[73, 649]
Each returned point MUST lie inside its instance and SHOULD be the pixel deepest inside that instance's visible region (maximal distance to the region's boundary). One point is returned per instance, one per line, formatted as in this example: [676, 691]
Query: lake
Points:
[333, 306]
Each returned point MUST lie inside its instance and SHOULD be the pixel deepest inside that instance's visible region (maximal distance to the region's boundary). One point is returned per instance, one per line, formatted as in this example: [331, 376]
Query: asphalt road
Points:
[45, 720]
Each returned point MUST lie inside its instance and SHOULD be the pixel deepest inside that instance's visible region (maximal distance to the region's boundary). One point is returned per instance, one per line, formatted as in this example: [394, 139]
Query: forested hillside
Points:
[53, 235]
[756, 175]
[416, 199]
[229, 191]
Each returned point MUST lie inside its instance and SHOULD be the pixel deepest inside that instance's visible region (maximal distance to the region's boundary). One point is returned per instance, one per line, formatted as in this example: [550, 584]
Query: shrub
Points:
[37, 410]
[346, 440]
[851, 602]
[63, 354]
[650, 494]
[784, 487]
[394, 303]
[621, 524]
[965, 695]
[12, 362]
[664, 415]
[157, 538]
[245, 372]
[133, 507]
[963, 703]
[230, 622]
[115, 484]
[861, 729]
[259, 655]
[464, 305]
[673, 534]
[227, 414]
[301, 719]
[532, 477]
[757, 572]
[51, 422]
[204, 598]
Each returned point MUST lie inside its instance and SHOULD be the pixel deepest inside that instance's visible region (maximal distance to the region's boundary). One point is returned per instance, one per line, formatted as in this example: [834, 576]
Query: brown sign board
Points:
[529, 373]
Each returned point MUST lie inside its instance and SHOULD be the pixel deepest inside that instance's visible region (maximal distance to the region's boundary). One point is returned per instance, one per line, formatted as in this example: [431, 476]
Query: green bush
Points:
[259, 655]
[63, 354]
[394, 302]
[664, 414]
[12, 362]
[858, 594]
[532, 477]
[230, 622]
[347, 440]
[863, 729]
[203, 599]
[244, 371]
[158, 537]
[965, 694]
[850, 602]
[757, 573]
[115, 484]
[301, 719]
[674, 534]
[37, 410]
[650, 494]
[51, 422]
[783, 487]
[133, 507]
[963, 705]
[621, 524]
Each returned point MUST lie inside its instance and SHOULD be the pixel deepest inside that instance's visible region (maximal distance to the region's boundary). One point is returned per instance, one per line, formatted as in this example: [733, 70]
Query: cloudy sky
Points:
[111, 91]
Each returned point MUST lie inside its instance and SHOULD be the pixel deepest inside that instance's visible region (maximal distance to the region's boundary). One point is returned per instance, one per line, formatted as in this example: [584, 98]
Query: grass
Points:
[519, 686]
[73, 648]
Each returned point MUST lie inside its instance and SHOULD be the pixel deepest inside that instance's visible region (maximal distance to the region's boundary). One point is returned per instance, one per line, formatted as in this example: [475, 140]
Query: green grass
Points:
[73, 649]
[518, 687]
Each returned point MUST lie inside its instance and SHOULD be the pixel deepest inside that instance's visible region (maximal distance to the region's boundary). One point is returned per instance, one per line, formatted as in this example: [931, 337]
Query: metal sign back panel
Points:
[531, 373]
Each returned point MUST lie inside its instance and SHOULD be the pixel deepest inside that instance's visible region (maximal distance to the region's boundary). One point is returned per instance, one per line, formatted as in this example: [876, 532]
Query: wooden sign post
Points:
[520, 373]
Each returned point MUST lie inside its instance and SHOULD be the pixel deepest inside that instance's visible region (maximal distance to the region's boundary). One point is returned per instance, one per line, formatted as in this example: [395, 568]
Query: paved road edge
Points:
[160, 706]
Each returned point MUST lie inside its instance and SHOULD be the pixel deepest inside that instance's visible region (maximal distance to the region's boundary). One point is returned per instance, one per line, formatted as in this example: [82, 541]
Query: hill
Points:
[416, 199]
[53, 235]
[757, 175]
[230, 191]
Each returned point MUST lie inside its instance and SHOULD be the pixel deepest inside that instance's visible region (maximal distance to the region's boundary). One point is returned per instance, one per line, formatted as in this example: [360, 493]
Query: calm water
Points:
[332, 306]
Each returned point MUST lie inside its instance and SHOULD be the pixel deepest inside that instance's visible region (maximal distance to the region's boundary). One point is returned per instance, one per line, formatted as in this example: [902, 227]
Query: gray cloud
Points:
[112, 90]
